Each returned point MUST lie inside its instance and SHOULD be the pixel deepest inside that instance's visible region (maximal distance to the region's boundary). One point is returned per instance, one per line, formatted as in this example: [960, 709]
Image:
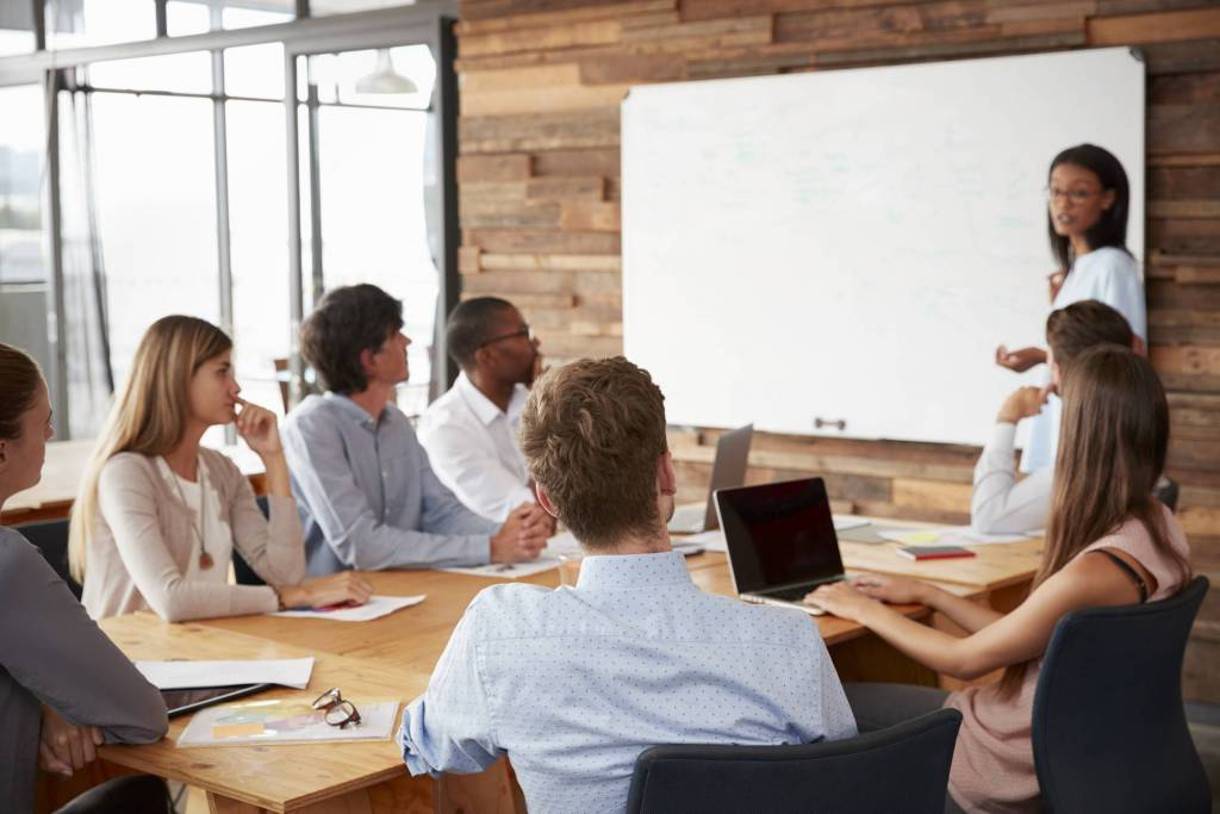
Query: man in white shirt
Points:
[572, 684]
[470, 433]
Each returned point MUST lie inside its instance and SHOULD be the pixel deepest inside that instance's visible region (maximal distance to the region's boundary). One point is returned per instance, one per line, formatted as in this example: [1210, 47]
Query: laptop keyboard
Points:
[798, 593]
[789, 594]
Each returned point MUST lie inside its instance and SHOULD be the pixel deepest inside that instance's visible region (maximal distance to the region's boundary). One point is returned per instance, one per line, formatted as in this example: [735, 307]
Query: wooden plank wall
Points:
[541, 82]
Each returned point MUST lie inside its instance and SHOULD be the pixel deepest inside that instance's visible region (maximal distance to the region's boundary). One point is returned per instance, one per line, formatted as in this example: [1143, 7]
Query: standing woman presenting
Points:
[1088, 201]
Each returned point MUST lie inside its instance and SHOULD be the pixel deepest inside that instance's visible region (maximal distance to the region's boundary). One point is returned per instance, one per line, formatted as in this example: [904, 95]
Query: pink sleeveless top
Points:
[993, 764]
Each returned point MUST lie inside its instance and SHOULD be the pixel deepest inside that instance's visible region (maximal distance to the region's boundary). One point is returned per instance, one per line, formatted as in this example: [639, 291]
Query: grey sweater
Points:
[52, 653]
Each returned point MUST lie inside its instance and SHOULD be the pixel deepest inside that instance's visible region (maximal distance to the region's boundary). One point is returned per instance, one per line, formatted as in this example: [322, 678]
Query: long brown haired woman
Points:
[64, 687]
[158, 515]
[1108, 542]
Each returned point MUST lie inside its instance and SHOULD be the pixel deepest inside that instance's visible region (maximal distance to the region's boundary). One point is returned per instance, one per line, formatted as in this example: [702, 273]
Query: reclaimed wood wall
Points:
[541, 82]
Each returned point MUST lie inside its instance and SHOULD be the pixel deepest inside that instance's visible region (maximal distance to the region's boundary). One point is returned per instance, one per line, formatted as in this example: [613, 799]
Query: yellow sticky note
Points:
[921, 538]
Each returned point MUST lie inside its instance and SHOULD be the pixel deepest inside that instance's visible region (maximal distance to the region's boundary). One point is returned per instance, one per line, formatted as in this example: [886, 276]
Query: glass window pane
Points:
[269, 12]
[367, 78]
[184, 18]
[185, 73]
[16, 28]
[201, 16]
[325, 8]
[77, 23]
[255, 70]
[258, 216]
[154, 165]
[373, 227]
[22, 142]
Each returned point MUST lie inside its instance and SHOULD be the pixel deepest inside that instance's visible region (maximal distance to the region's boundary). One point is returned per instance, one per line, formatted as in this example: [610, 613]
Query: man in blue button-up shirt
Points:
[366, 493]
[574, 683]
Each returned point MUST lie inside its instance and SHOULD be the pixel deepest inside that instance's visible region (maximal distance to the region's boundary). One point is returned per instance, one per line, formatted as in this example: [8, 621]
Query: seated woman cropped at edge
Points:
[1109, 541]
[65, 689]
[158, 515]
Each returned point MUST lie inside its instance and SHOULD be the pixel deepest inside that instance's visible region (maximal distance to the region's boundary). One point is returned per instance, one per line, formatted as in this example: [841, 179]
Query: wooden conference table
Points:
[393, 657]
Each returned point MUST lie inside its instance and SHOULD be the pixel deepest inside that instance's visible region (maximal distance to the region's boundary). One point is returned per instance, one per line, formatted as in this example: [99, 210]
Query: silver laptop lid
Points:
[779, 534]
[728, 468]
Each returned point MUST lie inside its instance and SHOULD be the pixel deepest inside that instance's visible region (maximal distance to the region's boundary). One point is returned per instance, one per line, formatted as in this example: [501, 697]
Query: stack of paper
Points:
[284, 720]
[178, 675]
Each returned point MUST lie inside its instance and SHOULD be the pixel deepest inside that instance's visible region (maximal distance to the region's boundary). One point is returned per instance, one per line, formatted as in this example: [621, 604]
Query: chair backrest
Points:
[903, 768]
[51, 538]
[1167, 491]
[241, 569]
[1109, 728]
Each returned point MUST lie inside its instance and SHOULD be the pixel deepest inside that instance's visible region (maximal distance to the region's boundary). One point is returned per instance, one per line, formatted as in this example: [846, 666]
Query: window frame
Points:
[429, 23]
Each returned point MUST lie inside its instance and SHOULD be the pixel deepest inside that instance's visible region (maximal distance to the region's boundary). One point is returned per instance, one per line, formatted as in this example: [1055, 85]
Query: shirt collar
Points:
[618, 572]
[358, 414]
[484, 408]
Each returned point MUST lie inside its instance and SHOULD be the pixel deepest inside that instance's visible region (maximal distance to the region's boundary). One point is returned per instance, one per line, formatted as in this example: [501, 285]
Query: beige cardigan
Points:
[142, 540]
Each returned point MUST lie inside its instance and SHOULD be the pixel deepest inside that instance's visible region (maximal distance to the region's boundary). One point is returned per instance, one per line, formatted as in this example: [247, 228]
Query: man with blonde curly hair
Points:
[574, 683]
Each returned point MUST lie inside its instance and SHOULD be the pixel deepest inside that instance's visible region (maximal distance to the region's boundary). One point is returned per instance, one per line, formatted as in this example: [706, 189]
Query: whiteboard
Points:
[854, 244]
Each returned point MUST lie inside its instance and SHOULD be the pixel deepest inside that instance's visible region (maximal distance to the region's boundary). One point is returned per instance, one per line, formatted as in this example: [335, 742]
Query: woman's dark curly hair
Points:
[348, 321]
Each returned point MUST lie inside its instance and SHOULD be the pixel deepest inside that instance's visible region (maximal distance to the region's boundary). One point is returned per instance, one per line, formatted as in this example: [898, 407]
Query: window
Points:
[79, 23]
[147, 144]
[258, 216]
[21, 166]
[16, 28]
[156, 209]
[371, 178]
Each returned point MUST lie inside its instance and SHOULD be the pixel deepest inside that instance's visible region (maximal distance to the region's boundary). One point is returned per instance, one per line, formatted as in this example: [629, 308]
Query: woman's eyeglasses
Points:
[1076, 196]
[335, 710]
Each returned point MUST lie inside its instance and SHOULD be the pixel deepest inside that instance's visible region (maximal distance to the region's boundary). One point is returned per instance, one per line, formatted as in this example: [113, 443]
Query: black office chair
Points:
[140, 793]
[1109, 729]
[241, 569]
[1166, 491]
[51, 538]
[903, 768]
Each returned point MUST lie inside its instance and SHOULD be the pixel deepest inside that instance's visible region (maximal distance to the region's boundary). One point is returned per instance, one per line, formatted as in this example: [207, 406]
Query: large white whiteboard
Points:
[854, 244]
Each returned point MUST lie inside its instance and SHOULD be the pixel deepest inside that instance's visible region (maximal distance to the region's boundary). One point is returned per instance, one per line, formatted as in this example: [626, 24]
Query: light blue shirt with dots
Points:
[574, 683]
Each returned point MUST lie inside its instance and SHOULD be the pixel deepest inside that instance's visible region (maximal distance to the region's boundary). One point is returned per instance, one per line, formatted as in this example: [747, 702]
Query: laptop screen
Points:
[779, 534]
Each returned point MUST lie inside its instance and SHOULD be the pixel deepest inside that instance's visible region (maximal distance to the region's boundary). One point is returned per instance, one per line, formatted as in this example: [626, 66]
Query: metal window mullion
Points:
[315, 192]
[53, 236]
[162, 18]
[39, 10]
[444, 119]
[220, 148]
[296, 303]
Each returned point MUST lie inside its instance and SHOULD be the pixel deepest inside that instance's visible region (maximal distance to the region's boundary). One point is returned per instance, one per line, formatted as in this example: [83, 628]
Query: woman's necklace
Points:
[205, 559]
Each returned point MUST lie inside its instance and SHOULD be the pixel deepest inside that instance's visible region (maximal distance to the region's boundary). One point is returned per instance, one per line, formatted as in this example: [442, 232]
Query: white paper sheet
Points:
[177, 675]
[954, 535]
[375, 608]
[506, 570]
[843, 522]
[710, 540]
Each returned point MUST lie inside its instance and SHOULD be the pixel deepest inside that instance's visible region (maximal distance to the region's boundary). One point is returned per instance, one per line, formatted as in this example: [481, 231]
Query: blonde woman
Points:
[158, 515]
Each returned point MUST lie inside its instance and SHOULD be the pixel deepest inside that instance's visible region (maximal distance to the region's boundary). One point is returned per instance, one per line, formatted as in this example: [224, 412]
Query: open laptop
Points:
[781, 541]
[728, 470]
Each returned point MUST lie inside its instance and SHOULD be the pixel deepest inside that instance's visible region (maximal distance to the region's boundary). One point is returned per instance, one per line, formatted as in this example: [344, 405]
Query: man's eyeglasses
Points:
[335, 710]
[524, 331]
